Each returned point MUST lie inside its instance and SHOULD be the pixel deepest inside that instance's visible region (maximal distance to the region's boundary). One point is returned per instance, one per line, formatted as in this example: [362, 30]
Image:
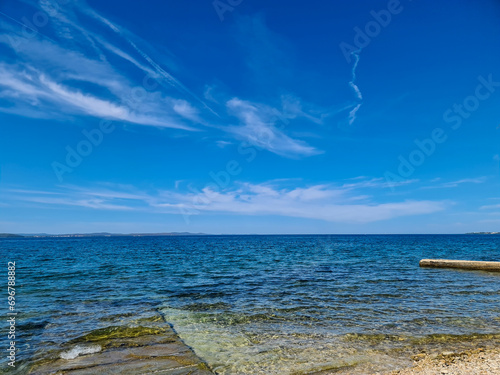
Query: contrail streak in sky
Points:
[355, 88]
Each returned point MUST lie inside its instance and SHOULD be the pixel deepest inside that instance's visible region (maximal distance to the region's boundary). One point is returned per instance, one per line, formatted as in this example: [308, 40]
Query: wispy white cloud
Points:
[121, 198]
[222, 144]
[259, 126]
[452, 184]
[35, 88]
[327, 202]
[186, 110]
[318, 202]
[157, 68]
[58, 202]
[490, 207]
[55, 74]
[78, 74]
[364, 182]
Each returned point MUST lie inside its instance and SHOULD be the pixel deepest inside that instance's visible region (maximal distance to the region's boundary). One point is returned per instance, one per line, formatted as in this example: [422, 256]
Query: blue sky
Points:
[250, 116]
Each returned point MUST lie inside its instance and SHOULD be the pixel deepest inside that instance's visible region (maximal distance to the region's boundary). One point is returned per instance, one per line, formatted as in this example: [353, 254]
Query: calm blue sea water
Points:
[260, 304]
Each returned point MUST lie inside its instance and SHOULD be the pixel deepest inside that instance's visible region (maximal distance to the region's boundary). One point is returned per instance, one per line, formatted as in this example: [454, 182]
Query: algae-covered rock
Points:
[126, 350]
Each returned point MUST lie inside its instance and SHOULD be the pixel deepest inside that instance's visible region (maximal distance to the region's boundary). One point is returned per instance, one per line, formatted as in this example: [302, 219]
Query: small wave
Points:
[80, 350]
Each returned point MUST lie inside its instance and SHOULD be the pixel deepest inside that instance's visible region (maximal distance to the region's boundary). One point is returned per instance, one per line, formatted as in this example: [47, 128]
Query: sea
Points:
[256, 304]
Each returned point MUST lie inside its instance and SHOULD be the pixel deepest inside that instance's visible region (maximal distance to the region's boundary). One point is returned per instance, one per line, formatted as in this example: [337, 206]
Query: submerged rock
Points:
[125, 351]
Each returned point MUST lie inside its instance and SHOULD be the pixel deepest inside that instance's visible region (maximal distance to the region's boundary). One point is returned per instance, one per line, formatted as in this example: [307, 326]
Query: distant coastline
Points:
[103, 234]
[483, 233]
[9, 235]
[166, 234]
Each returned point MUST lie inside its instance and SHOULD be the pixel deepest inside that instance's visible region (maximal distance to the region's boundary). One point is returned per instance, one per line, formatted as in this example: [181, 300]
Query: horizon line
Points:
[178, 234]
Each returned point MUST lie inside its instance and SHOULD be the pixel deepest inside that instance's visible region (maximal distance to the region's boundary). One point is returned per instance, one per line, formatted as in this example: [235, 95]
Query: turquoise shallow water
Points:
[260, 304]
